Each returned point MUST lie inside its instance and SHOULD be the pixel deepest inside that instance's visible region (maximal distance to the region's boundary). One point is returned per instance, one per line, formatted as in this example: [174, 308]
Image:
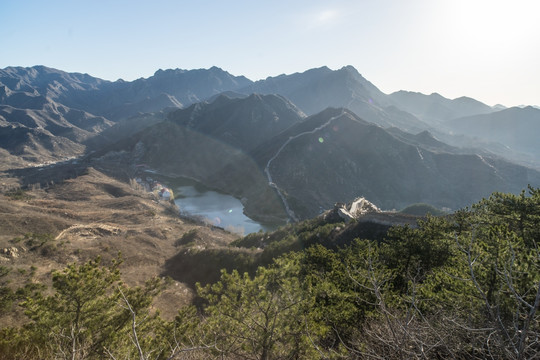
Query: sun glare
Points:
[492, 23]
[327, 16]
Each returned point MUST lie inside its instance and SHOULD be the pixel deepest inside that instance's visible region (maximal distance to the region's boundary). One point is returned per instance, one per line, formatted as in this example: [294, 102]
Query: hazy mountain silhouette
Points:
[316, 89]
[518, 128]
[166, 88]
[434, 108]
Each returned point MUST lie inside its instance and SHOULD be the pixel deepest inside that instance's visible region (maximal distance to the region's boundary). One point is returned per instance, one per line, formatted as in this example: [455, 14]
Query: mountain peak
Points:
[241, 122]
[351, 69]
[161, 72]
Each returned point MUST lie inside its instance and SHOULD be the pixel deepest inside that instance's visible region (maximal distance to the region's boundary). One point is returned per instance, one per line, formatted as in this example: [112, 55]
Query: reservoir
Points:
[219, 209]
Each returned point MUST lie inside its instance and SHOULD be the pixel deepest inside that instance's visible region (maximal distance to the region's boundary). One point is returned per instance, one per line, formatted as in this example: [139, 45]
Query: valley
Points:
[317, 185]
[287, 147]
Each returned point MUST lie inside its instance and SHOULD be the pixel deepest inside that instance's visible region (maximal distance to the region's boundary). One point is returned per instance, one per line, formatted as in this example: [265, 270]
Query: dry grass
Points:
[96, 215]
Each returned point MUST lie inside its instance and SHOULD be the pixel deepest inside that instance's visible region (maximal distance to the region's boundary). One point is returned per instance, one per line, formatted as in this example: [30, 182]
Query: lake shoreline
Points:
[204, 204]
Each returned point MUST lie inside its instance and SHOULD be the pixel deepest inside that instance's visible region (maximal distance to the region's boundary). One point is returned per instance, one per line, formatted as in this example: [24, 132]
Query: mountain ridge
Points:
[254, 123]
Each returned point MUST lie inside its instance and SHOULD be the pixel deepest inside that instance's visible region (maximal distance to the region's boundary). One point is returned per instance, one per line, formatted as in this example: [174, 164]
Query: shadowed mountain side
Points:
[124, 129]
[264, 152]
[146, 105]
[176, 151]
[204, 265]
[349, 158]
[474, 145]
[243, 123]
[21, 99]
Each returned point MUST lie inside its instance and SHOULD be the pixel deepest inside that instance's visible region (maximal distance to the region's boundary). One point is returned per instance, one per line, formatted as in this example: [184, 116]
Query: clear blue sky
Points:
[485, 49]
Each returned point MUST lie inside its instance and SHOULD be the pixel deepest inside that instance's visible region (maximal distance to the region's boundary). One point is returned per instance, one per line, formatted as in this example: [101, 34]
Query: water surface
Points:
[219, 209]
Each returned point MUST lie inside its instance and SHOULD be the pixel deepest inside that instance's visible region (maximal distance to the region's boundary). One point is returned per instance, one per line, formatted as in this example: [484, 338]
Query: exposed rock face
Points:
[11, 252]
[358, 207]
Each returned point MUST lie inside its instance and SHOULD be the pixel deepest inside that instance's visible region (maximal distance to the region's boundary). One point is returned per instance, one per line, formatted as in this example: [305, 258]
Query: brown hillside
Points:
[42, 230]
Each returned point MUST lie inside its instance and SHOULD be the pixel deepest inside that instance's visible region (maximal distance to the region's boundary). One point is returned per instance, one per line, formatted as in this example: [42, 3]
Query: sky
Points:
[485, 49]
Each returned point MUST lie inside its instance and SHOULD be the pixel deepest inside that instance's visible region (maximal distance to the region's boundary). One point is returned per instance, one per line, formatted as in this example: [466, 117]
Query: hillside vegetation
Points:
[465, 286]
[46, 226]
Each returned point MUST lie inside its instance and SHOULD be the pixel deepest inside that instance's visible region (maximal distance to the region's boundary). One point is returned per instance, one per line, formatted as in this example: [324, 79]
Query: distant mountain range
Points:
[434, 108]
[288, 146]
[517, 128]
[302, 166]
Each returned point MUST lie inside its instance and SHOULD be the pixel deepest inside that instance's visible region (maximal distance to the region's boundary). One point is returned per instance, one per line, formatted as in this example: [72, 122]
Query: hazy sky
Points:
[488, 50]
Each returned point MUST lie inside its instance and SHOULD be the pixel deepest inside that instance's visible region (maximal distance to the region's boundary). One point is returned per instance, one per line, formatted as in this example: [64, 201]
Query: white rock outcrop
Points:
[360, 206]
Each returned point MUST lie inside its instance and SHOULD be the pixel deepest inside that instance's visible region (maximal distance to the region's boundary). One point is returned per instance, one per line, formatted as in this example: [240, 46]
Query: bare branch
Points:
[134, 338]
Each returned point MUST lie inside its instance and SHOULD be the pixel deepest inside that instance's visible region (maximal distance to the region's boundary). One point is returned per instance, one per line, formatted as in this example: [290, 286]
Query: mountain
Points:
[47, 82]
[316, 89]
[254, 141]
[119, 99]
[242, 122]
[335, 156]
[475, 127]
[210, 142]
[517, 128]
[40, 130]
[166, 88]
[34, 126]
[435, 109]
[305, 165]
[48, 114]
[425, 140]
